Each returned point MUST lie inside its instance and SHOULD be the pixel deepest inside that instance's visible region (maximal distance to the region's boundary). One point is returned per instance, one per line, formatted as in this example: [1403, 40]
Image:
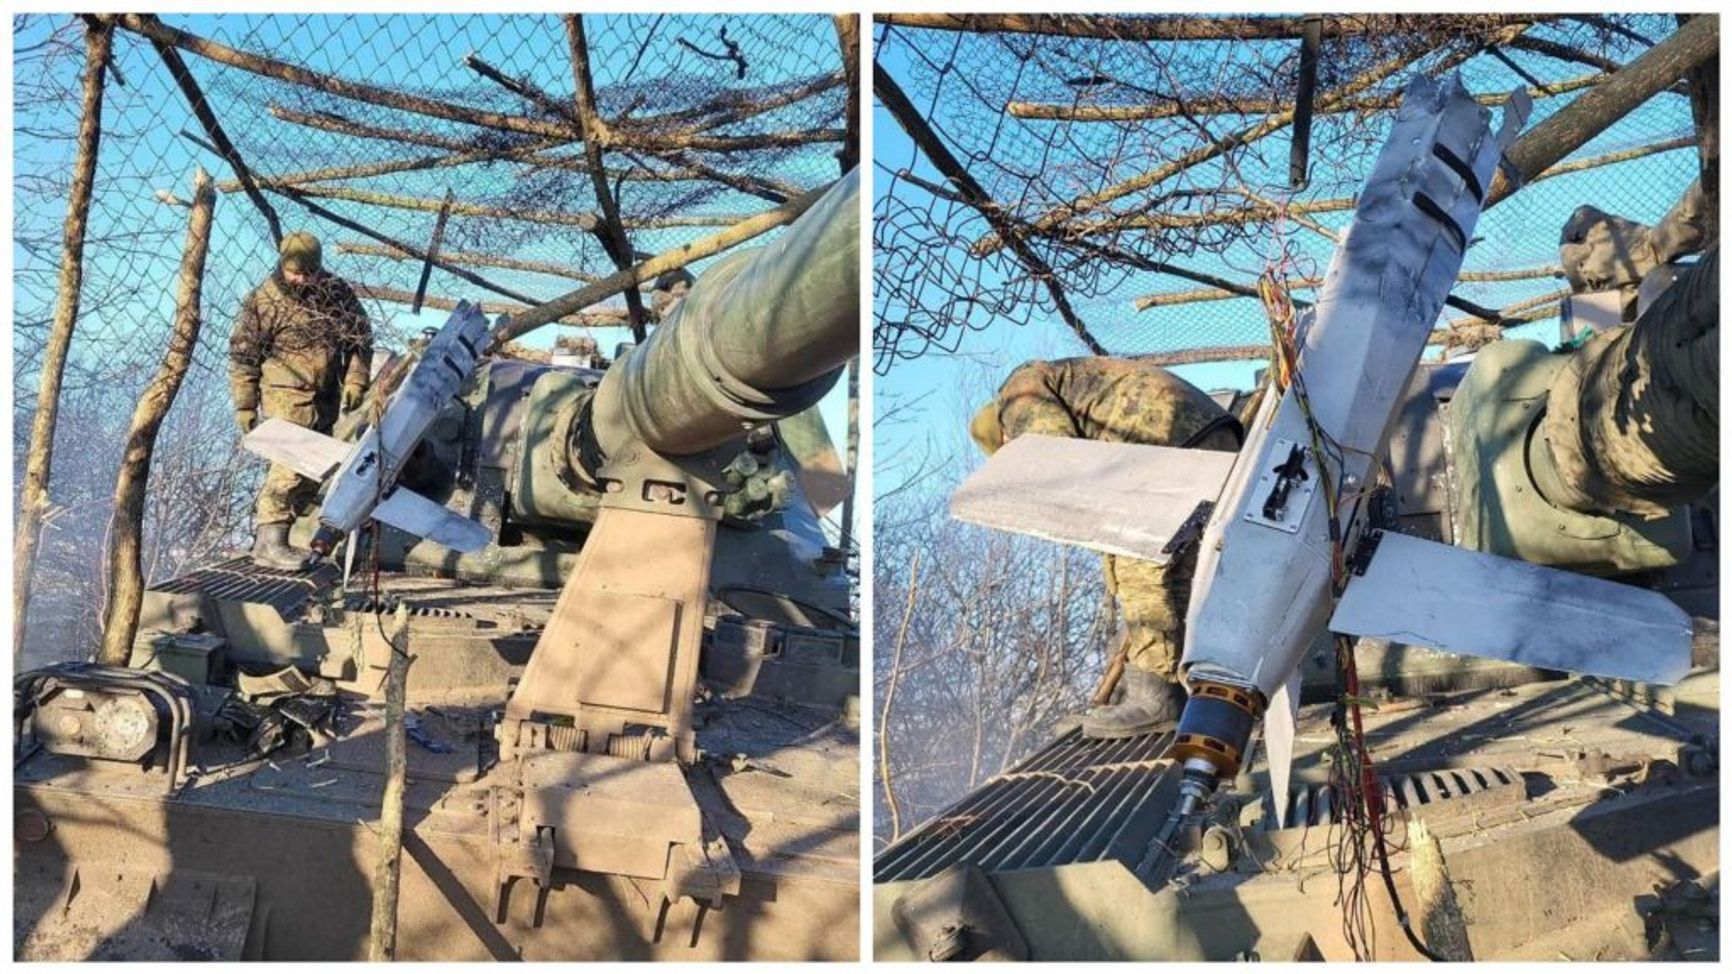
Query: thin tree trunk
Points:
[1594, 112]
[201, 110]
[39, 460]
[583, 221]
[126, 524]
[391, 252]
[1441, 923]
[648, 270]
[150, 26]
[387, 873]
[365, 230]
[1054, 219]
[612, 231]
[897, 103]
[1239, 216]
[599, 318]
[1166, 299]
[848, 39]
[890, 803]
[1180, 28]
[852, 448]
[1704, 82]
[1207, 105]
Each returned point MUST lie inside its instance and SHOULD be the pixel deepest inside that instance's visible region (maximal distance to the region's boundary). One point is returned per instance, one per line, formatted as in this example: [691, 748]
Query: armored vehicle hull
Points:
[1577, 818]
[273, 858]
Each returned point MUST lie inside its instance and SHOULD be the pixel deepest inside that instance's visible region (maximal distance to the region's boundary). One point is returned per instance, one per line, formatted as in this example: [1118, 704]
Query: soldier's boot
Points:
[1147, 704]
[271, 549]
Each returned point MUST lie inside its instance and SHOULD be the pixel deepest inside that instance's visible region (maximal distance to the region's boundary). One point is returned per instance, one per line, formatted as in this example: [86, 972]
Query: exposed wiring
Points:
[1361, 842]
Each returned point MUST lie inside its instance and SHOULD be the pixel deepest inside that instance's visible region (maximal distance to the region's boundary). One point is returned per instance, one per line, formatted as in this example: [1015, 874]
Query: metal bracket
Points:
[1367, 549]
[1285, 489]
[517, 857]
[1191, 529]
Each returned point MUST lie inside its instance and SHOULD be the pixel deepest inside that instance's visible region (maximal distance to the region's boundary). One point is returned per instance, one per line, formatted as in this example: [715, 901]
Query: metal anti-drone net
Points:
[1131, 125]
[719, 116]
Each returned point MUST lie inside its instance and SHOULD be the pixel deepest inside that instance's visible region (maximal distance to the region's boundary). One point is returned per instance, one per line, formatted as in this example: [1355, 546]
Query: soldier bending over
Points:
[1121, 400]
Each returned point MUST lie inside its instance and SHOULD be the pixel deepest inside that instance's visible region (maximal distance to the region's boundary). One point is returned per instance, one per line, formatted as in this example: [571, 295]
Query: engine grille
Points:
[1312, 805]
[239, 580]
[1075, 800]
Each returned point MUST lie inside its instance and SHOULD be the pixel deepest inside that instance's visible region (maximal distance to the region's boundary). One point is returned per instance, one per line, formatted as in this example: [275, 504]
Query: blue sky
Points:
[938, 390]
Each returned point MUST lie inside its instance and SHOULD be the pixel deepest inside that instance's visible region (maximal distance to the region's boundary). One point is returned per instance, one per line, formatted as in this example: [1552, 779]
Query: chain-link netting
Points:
[1151, 179]
[712, 118]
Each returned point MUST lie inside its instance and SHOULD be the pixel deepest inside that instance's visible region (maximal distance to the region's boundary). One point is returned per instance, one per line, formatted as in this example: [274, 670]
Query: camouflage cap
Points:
[300, 253]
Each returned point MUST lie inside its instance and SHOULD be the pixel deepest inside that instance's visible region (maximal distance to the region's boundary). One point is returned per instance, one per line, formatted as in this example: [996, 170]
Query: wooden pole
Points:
[728, 108]
[1115, 671]
[733, 106]
[1053, 220]
[387, 872]
[624, 138]
[600, 318]
[1304, 103]
[1704, 81]
[1594, 112]
[845, 537]
[647, 271]
[390, 252]
[848, 39]
[773, 190]
[583, 221]
[331, 122]
[39, 456]
[150, 26]
[1162, 267]
[548, 104]
[1185, 27]
[533, 153]
[1260, 212]
[1167, 299]
[890, 699]
[1441, 924]
[437, 261]
[1205, 105]
[367, 170]
[1218, 353]
[1563, 52]
[612, 232]
[683, 168]
[433, 246]
[890, 94]
[201, 110]
[126, 522]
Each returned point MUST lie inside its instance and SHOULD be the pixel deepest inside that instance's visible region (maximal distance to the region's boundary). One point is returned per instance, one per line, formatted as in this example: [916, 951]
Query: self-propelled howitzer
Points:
[652, 523]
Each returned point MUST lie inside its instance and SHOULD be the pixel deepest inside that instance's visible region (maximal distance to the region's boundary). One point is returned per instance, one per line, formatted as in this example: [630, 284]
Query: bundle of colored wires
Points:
[1361, 842]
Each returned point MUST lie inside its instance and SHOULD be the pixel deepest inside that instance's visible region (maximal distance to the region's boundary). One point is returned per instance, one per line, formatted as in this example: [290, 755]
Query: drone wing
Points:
[1119, 498]
[1461, 601]
[408, 511]
[307, 452]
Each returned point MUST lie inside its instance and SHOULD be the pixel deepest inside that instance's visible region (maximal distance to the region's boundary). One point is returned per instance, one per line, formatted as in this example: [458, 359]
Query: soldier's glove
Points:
[352, 397]
[247, 419]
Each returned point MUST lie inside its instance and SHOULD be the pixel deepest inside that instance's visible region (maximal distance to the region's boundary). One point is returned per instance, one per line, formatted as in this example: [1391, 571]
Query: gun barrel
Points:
[762, 335]
[1632, 424]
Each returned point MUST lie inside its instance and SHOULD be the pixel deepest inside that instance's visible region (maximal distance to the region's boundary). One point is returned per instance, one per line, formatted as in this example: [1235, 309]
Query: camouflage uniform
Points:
[1603, 252]
[1118, 400]
[299, 352]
